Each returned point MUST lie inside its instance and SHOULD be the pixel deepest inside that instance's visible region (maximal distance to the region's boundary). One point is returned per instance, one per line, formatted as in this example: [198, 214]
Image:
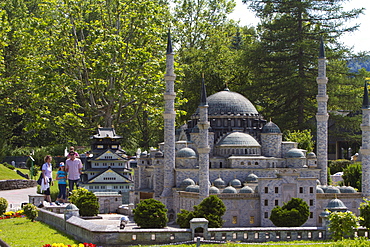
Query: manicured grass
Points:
[23, 232]
[6, 173]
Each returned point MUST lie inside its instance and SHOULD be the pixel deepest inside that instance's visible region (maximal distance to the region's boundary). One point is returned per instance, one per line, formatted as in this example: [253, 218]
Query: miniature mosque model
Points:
[227, 149]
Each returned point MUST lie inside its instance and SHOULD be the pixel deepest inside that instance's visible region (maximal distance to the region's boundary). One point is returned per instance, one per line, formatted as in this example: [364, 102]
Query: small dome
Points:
[332, 189]
[324, 214]
[219, 183]
[246, 189]
[158, 154]
[229, 190]
[186, 182]
[238, 139]
[270, 127]
[324, 188]
[311, 155]
[236, 183]
[294, 153]
[186, 153]
[347, 189]
[252, 178]
[319, 190]
[214, 190]
[192, 188]
[336, 205]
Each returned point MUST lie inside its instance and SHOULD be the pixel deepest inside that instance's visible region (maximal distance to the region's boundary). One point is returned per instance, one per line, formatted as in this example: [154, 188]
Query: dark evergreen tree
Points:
[285, 60]
[292, 214]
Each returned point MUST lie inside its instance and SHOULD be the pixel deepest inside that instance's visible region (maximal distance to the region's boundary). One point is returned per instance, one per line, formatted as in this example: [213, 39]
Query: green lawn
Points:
[6, 173]
[23, 232]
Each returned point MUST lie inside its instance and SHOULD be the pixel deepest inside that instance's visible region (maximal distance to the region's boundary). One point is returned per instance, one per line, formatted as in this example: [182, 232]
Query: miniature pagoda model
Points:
[107, 168]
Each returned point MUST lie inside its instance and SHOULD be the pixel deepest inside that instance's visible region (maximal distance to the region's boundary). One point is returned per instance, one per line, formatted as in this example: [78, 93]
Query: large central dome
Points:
[227, 102]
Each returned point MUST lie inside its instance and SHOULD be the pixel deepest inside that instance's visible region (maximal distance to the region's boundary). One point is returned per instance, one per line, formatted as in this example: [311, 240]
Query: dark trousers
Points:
[72, 184]
[62, 191]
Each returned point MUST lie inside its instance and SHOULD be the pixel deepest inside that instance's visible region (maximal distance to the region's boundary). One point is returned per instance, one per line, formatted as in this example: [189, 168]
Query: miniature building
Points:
[228, 149]
[107, 168]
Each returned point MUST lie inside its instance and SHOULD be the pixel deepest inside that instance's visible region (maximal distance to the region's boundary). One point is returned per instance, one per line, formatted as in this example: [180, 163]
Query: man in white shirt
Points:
[74, 169]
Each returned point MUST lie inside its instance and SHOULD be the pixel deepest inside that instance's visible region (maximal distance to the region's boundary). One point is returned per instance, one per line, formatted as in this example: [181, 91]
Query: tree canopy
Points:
[293, 213]
[150, 213]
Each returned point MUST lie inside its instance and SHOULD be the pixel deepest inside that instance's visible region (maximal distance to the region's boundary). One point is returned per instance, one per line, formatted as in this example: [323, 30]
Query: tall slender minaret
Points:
[365, 148]
[322, 117]
[169, 116]
[203, 148]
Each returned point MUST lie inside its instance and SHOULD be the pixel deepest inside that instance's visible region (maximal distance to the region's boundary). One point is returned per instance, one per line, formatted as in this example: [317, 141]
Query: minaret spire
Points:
[203, 96]
[365, 147]
[365, 101]
[203, 148]
[169, 116]
[322, 116]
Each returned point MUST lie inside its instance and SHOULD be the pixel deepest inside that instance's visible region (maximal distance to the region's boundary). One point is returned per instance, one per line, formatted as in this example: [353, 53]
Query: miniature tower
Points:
[322, 117]
[203, 149]
[169, 127]
[365, 149]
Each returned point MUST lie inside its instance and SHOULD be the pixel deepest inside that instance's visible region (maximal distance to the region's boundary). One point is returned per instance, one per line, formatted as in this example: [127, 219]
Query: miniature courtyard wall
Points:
[111, 235]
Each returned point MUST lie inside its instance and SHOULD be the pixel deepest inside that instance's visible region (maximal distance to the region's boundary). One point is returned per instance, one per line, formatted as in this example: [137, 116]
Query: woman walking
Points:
[47, 180]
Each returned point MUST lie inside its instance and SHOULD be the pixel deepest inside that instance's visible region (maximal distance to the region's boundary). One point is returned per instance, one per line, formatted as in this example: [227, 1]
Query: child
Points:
[62, 183]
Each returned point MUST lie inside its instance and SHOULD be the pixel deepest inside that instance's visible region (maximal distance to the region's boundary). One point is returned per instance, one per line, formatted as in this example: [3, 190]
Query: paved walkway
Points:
[16, 197]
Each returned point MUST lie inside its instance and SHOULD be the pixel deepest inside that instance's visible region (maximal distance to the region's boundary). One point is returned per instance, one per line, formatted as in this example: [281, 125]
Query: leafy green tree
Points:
[343, 224]
[85, 201]
[212, 208]
[303, 137]
[150, 213]
[209, 44]
[352, 176]
[293, 213]
[284, 62]
[365, 213]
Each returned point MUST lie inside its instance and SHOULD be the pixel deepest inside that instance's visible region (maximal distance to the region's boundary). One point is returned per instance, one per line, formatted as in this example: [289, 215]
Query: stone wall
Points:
[109, 236]
[17, 184]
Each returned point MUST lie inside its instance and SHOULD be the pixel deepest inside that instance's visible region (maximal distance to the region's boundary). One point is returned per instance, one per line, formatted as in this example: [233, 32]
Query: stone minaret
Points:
[203, 148]
[365, 149]
[322, 117]
[169, 128]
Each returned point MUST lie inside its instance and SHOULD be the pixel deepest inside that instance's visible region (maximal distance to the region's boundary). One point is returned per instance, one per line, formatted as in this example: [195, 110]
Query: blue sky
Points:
[359, 40]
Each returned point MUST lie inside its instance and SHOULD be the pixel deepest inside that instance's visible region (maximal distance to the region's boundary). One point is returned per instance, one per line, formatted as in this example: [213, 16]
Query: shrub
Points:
[365, 213]
[3, 205]
[86, 202]
[212, 208]
[30, 211]
[338, 165]
[292, 214]
[343, 224]
[352, 176]
[150, 213]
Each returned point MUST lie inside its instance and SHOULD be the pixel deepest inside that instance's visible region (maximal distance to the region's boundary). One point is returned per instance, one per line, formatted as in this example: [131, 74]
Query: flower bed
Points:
[12, 214]
[73, 245]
